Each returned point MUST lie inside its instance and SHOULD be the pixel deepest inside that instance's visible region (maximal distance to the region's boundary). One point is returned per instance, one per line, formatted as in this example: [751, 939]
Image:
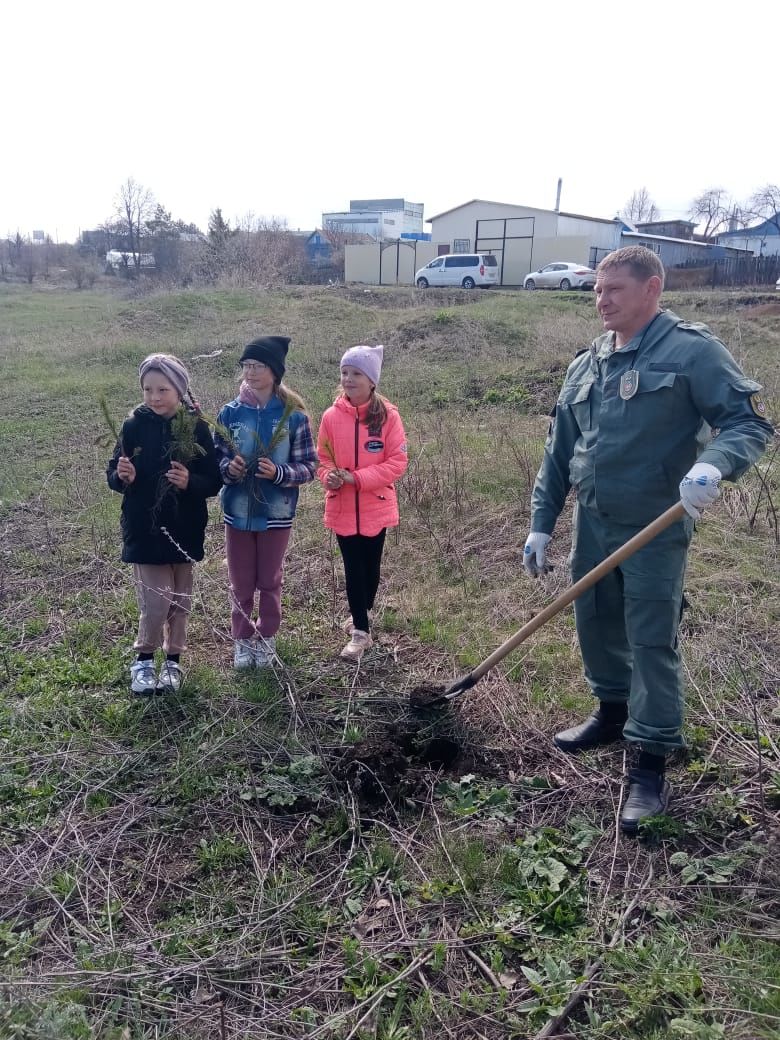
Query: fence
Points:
[392, 263]
[732, 270]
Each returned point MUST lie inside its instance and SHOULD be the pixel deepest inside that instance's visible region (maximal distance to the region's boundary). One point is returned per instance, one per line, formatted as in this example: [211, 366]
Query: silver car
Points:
[561, 275]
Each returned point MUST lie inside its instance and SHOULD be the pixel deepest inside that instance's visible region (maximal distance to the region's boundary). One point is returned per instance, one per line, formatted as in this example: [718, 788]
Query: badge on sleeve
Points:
[758, 406]
[629, 384]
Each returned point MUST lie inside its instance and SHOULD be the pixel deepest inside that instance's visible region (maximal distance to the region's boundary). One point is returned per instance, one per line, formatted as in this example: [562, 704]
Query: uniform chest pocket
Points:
[655, 393]
[578, 399]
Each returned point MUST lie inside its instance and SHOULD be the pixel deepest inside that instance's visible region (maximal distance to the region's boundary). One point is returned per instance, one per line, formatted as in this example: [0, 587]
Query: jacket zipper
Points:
[357, 498]
[253, 478]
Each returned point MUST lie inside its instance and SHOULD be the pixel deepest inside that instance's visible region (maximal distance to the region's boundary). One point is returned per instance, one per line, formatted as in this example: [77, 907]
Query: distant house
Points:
[122, 260]
[762, 239]
[680, 229]
[322, 244]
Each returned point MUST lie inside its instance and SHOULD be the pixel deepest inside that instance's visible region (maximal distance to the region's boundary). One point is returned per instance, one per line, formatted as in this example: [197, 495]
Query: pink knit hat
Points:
[367, 360]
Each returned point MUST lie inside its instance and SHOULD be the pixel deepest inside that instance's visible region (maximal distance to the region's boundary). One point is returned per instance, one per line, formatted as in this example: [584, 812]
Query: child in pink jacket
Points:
[362, 452]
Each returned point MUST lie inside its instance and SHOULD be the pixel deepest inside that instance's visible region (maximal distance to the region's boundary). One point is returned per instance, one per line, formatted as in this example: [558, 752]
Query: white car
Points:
[561, 275]
[465, 269]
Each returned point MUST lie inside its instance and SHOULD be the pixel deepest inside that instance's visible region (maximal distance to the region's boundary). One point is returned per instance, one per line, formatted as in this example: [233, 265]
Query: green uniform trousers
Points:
[627, 625]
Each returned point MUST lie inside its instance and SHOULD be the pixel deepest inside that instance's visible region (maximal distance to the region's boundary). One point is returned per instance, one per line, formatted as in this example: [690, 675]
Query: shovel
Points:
[425, 697]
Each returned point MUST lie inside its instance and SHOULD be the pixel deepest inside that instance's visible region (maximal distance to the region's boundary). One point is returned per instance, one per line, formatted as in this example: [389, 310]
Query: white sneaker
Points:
[358, 644]
[143, 677]
[170, 678]
[244, 654]
[265, 651]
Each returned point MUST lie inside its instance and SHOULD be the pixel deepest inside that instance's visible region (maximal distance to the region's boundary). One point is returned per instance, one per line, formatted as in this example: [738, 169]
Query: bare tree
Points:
[29, 260]
[254, 252]
[640, 208]
[134, 206]
[713, 208]
[765, 203]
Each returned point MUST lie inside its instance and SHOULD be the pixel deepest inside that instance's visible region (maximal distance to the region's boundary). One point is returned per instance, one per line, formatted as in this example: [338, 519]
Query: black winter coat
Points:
[151, 502]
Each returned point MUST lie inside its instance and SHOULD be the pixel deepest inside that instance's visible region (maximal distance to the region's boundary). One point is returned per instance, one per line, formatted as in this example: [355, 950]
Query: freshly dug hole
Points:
[378, 765]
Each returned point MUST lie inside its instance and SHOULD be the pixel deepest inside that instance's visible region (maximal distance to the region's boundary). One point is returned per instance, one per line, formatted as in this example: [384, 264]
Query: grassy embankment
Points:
[212, 864]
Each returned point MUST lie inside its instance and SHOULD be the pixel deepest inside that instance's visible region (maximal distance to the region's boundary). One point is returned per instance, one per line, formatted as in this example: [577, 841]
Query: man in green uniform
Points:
[627, 436]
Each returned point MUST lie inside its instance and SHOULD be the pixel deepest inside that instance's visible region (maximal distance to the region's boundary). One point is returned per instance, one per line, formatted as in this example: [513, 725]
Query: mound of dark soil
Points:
[378, 766]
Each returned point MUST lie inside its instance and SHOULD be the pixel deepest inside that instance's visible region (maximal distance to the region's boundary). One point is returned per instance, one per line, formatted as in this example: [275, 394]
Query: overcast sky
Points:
[286, 108]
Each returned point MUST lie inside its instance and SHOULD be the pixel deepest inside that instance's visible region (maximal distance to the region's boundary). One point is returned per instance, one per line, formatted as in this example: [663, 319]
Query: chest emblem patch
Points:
[629, 384]
[374, 445]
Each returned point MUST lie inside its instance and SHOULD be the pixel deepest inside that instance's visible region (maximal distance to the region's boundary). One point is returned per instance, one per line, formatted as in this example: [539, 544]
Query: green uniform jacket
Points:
[628, 424]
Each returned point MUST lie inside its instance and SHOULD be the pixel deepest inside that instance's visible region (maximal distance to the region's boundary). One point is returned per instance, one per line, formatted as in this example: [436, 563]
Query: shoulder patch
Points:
[758, 405]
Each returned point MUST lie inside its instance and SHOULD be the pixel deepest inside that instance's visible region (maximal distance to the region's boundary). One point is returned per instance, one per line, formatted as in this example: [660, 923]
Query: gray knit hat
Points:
[170, 366]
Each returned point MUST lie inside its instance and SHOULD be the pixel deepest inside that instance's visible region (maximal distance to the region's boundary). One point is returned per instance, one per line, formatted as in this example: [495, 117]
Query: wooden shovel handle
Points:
[647, 534]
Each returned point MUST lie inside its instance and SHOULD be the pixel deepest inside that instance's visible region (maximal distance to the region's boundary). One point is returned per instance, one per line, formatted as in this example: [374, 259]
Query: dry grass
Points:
[277, 856]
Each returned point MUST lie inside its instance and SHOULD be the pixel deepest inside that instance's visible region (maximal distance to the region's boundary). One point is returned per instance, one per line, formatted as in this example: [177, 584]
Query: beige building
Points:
[523, 238]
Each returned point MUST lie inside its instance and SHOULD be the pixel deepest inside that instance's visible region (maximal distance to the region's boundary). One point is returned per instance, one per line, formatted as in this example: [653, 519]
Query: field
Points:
[298, 854]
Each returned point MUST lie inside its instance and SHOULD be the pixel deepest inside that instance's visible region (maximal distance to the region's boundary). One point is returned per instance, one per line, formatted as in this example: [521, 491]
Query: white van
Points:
[465, 269]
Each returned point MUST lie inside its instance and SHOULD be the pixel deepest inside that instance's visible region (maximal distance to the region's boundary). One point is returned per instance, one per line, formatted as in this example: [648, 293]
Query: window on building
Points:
[461, 245]
[654, 247]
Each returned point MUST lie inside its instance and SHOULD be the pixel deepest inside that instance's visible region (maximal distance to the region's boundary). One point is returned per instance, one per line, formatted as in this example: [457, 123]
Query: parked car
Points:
[561, 275]
[465, 269]
[777, 285]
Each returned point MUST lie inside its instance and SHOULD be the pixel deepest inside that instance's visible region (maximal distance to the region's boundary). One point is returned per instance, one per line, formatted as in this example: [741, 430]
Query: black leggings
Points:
[362, 562]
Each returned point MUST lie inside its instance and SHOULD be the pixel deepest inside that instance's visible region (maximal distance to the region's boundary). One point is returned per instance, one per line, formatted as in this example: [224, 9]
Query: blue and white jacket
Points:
[254, 503]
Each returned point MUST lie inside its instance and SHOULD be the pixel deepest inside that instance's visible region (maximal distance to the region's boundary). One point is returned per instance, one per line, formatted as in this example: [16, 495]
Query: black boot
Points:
[648, 795]
[602, 727]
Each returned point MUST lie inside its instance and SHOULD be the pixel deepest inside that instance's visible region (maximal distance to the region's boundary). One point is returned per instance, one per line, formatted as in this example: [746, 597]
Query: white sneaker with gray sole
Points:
[170, 678]
[244, 654]
[143, 677]
[265, 651]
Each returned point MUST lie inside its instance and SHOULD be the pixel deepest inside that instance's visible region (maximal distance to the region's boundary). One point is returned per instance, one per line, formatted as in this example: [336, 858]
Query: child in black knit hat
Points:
[269, 455]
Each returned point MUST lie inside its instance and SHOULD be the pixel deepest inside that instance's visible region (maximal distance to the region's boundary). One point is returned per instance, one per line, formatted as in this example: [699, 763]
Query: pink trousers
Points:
[255, 564]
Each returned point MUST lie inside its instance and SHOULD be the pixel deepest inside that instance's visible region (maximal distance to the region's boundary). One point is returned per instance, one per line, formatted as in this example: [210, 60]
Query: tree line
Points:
[255, 251]
[714, 209]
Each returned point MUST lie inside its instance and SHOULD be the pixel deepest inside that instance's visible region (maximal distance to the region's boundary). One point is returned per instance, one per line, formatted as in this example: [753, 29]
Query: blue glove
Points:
[699, 488]
[535, 554]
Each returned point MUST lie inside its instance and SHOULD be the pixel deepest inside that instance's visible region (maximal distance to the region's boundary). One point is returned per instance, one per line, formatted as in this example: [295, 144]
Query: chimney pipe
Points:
[558, 196]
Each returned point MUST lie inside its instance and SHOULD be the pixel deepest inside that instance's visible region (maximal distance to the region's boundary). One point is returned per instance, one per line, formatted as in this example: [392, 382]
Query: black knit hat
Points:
[270, 349]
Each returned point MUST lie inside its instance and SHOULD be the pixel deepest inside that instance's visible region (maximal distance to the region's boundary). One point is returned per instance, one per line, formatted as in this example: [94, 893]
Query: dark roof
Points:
[662, 223]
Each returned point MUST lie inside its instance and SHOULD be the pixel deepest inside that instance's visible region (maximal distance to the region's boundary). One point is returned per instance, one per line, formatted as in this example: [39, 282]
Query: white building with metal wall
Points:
[383, 219]
[523, 238]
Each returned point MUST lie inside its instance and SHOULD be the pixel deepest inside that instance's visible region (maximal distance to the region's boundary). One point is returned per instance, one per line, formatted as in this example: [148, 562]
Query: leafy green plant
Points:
[715, 870]
[552, 981]
[220, 854]
[657, 829]
[467, 796]
[300, 781]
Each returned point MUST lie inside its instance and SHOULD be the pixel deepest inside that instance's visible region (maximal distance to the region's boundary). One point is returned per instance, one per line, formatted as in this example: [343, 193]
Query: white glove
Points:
[535, 554]
[699, 488]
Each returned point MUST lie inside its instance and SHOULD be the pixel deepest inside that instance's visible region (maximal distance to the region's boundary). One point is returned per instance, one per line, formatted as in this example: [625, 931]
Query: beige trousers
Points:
[164, 594]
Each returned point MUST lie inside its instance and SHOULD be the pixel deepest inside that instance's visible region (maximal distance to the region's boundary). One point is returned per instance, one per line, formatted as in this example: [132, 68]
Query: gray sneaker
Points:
[170, 678]
[244, 654]
[143, 677]
[265, 652]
